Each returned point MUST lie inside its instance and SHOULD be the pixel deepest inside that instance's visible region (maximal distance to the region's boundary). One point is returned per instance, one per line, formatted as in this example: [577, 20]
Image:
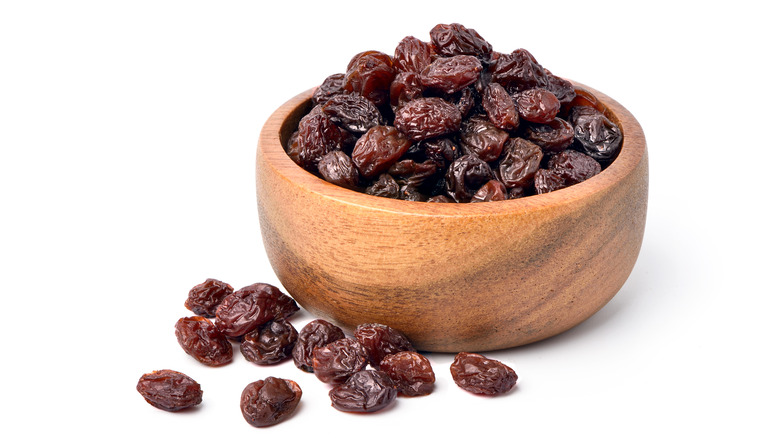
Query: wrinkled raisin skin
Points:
[252, 306]
[169, 390]
[335, 362]
[493, 190]
[574, 166]
[477, 374]
[316, 333]
[369, 74]
[456, 39]
[479, 136]
[337, 168]
[520, 163]
[595, 134]
[411, 55]
[410, 371]
[378, 149]
[268, 402]
[364, 391]
[465, 176]
[449, 75]
[546, 181]
[427, 117]
[200, 339]
[269, 344]
[204, 298]
[380, 340]
[352, 112]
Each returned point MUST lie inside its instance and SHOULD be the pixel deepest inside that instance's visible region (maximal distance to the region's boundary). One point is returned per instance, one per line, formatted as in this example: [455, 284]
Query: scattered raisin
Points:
[169, 390]
[252, 306]
[270, 401]
[364, 391]
[380, 340]
[270, 343]
[200, 339]
[204, 298]
[480, 375]
[335, 362]
[410, 371]
[316, 333]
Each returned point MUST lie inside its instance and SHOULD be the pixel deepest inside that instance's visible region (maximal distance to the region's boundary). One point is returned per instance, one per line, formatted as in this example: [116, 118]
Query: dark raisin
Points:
[331, 86]
[352, 112]
[546, 181]
[293, 149]
[200, 339]
[480, 375]
[479, 136]
[493, 190]
[465, 176]
[316, 333]
[270, 401]
[378, 149]
[385, 186]
[515, 193]
[441, 199]
[466, 99]
[169, 390]
[449, 75]
[318, 135]
[409, 193]
[517, 71]
[574, 166]
[554, 136]
[537, 105]
[427, 117]
[370, 74]
[380, 340]
[334, 362]
[411, 173]
[519, 163]
[456, 39]
[405, 87]
[410, 371]
[411, 55]
[252, 306]
[561, 88]
[204, 298]
[270, 343]
[500, 107]
[364, 391]
[595, 134]
[337, 168]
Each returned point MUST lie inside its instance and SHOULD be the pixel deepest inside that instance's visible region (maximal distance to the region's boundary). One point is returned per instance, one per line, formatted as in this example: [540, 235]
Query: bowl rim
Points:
[270, 151]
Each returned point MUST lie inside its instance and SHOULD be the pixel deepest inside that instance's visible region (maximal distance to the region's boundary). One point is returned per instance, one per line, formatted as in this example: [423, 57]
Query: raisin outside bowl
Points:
[452, 277]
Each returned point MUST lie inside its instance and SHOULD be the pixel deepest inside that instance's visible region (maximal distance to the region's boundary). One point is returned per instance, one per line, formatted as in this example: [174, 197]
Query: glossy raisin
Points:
[379, 340]
[427, 117]
[270, 343]
[412, 174]
[517, 71]
[200, 339]
[574, 166]
[378, 149]
[440, 199]
[595, 134]
[493, 190]
[369, 74]
[316, 333]
[410, 371]
[318, 135]
[449, 75]
[561, 88]
[465, 176]
[480, 137]
[337, 168]
[385, 186]
[411, 55]
[252, 306]
[169, 390]
[480, 375]
[406, 87]
[546, 181]
[500, 107]
[554, 136]
[465, 101]
[352, 112]
[441, 151]
[204, 298]
[537, 105]
[335, 362]
[520, 162]
[409, 193]
[364, 391]
[270, 401]
[456, 39]
[331, 86]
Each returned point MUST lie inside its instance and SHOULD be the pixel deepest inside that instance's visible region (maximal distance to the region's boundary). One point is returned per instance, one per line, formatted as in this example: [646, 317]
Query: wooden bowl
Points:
[452, 277]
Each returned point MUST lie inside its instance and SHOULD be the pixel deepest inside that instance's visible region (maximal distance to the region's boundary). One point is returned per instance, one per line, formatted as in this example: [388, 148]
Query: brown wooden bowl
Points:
[452, 277]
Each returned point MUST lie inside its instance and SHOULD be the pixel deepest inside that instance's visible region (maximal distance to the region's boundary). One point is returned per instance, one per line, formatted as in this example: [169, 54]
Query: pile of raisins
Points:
[452, 120]
[366, 371]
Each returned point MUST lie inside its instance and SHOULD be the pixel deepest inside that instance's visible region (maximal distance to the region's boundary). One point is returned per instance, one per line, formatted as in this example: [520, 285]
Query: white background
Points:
[128, 133]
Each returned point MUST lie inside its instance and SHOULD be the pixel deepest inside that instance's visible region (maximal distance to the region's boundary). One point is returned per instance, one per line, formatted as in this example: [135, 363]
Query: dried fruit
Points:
[364, 391]
[335, 362]
[546, 181]
[385, 186]
[369, 74]
[169, 390]
[554, 136]
[380, 340]
[465, 176]
[595, 134]
[517, 71]
[480, 137]
[411, 372]
[427, 117]
[411, 55]
[337, 168]
[270, 401]
[204, 298]
[352, 112]
[574, 166]
[456, 39]
[520, 163]
[270, 343]
[449, 75]
[331, 86]
[493, 190]
[200, 339]
[252, 306]
[378, 149]
[537, 105]
[480, 375]
[500, 107]
[316, 333]
[317, 135]
[405, 87]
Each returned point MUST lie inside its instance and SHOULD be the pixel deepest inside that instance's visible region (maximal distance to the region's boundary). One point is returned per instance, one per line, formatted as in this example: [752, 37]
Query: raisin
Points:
[449, 75]
[270, 401]
[537, 105]
[169, 390]
[352, 112]
[465, 101]
[441, 151]
[293, 149]
[520, 163]
[369, 74]
[517, 71]
[405, 87]
[441, 199]
[480, 375]
[546, 181]
[331, 86]
[385, 186]
[270, 343]
[479, 136]
[410, 371]
[413, 174]
[411, 55]
[595, 134]
[427, 117]
[515, 193]
[493, 190]
[204, 298]
[378, 149]
[500, 107]
[334, 362]
[252, 306]
[364, 391]
[411, 194]
[561, 88]
[200, 339]
[380, 340]
[337, 168]
[456, 39]
[465, 176]
[574, 166]
[316, 333]
[317, 135]
[554, 136]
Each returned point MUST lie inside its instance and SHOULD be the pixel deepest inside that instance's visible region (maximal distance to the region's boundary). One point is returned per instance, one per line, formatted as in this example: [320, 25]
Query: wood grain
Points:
[453, 277]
